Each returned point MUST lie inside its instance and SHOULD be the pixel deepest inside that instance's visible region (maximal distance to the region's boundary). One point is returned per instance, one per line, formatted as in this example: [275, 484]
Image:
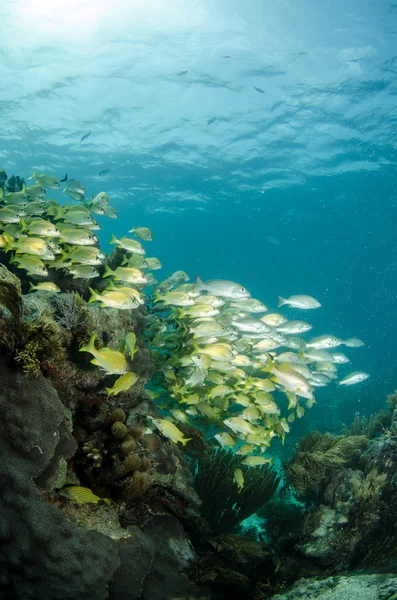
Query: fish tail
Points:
[34, 176]
[281, 301]
[185, 440]
[31, 287]
[90, 347]
[22, 225]
[108, 501]
[108, 271]
[114, 240]
[95, 297]
[200, 285]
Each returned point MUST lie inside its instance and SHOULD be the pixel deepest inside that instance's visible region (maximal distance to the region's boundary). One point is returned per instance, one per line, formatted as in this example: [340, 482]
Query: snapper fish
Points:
[354, 343]
[46, 286]
[355, 377]
[223, 288]
[324, 341]
[170, 431]
[303, 302]
[238, 479]
[143, 233]
[110, 361]
[47, 181]
[123, 383]
[81, 495]
[127, 244]
[114, 299]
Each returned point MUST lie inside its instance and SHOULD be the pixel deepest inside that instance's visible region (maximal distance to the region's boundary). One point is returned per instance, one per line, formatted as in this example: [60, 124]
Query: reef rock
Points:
[353, 587]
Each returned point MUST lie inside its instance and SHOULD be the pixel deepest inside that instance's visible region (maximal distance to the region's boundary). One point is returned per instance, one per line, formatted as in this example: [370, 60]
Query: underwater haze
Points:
[256, 139]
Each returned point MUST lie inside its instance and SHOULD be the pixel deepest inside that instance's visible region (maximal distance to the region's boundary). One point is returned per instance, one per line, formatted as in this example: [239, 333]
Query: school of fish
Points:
[225, 363]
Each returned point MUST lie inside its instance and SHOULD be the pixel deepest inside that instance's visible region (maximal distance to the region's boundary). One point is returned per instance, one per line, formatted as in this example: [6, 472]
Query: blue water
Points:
[288, 191]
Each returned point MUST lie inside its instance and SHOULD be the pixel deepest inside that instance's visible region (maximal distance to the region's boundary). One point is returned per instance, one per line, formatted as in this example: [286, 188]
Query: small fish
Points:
[110, 361]
[256, 461]
[127, 244]
[83, 272]
[46, 286]
[103, 172]
[356, 377]
[74, 194]
[170, 431]
[273, 319]
[174, 299]
[291, 327]
[130, 341]
[293, 381]
[101, 199]
[79, 217]
[153, 264]
[32, 264]
[129, 290]
[110, 212]
[250, 305]
[78, 237]
[116, 299]
[223, 288]
[123, 383]
[81, 495]
[339, 358]
[210, 121]
[245, 449]
[143, 233]
[126, 274]
[84, 137]
[42, 227]
[35, 192]
[225, 439]
[302, 302]
[354, 343]
[76, 185]
[30, 245]
[238, 479]
[258, 89]
[181, 73]
[7, 215]
[47, 181]
[324, 341]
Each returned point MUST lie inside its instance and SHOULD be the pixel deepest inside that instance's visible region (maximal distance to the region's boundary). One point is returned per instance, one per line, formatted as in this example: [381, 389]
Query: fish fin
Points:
[108, 271]
[32, 287]
[184, 441]
[90, 346]
[200, 285]
[95, 297]
[114, 240]
[64, 178]
[281, 301]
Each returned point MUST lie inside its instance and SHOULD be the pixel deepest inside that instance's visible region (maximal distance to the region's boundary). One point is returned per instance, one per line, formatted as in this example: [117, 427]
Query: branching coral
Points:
[223, 506]
[317, 456]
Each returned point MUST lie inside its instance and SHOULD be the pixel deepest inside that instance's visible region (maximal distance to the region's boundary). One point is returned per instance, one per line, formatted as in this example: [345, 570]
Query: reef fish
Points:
[356, 377]
[238, 479]
[221, 287]
[123, 383]
[47, 181]
[302, 302]
[81, 495]
[170, 431]
[110, 361]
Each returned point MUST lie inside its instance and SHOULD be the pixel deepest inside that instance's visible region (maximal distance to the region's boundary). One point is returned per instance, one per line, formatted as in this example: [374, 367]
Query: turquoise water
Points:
[290, 189]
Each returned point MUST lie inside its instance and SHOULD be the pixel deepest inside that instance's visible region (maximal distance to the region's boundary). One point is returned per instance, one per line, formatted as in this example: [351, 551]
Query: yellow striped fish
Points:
[81, 495]
[123, 383]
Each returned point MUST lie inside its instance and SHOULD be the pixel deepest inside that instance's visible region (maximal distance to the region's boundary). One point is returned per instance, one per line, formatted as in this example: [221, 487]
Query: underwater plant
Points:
[214, 479]
[70, 311]
[317, 456]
